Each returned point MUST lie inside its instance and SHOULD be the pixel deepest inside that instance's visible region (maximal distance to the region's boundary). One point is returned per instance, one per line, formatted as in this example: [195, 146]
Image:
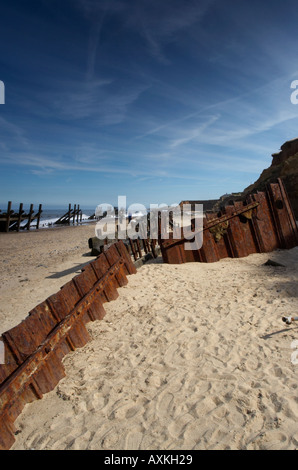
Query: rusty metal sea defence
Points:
[262, 223]
[34, 349]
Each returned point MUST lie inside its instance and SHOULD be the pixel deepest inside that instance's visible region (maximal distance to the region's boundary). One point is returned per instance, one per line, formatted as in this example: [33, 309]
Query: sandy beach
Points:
[191, 356]
[35, 264]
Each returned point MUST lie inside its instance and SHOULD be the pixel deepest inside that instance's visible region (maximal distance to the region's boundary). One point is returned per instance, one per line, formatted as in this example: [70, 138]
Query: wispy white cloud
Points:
[13, 133]
[102, 100]
[94, 39]
[43, 165]
[194, 133]
[160, 23]
[244, 123]
[153, 90]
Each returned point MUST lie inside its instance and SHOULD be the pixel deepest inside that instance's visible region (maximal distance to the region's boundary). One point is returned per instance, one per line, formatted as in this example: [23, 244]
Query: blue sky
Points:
[159, 101]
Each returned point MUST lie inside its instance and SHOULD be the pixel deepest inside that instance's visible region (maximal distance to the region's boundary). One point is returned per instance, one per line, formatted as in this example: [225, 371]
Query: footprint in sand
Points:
[178, 426]
[133, 441]
[171, 354]
[165, 404]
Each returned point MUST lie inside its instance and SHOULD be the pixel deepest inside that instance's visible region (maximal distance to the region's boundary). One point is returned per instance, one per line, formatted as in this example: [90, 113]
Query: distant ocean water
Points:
[49, 215]
[57, 213]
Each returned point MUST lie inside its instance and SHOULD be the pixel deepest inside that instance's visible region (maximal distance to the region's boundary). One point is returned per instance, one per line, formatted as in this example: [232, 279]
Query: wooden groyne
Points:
[11, 220]
[72, 215]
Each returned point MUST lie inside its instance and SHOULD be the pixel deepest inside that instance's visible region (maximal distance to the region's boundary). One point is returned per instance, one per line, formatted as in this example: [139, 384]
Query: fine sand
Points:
[35, 264]
[191, 356]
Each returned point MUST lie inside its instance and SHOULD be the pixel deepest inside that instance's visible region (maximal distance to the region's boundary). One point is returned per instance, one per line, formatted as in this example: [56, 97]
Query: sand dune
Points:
[191, 356]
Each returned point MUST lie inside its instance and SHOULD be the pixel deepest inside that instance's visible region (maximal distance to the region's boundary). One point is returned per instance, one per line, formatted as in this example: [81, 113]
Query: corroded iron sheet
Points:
[260, 224]
[34, 349]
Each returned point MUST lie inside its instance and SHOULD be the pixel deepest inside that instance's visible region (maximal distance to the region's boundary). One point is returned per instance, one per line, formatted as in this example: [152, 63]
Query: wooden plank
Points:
[20, 217]
[38, 216]
[8, 215]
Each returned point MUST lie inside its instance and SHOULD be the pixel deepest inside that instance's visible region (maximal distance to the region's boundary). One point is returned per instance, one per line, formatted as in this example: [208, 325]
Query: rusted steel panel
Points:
[34, 349]
[289, 209]
[171, 252]
[209, 249]
[222, 244]
[7, 431]
[262, 223]
[78, 335]
[236, 235]
[10, 362]
[30, 333]
[218, 239]
[246, 226]
[282, 215]
[49, 375]
[64, 301]
[112, 256]
[257, 230]
[85, 281]
[129, 266]
[101, 267]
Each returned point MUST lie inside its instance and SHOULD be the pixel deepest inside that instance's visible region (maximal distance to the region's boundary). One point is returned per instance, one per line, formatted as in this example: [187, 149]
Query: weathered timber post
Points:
[30, 216]
[9, 212]
[20, 216]
[38, 216]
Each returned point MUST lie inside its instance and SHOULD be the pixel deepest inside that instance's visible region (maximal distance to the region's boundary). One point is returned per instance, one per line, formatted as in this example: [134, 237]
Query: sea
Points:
[50, 215]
